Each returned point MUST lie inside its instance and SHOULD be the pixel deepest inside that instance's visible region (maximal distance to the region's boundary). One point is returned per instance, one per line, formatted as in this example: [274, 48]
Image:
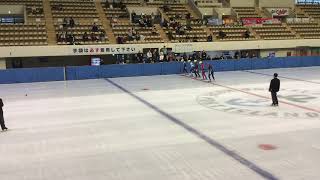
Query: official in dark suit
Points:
[274, 88]
[3, 126]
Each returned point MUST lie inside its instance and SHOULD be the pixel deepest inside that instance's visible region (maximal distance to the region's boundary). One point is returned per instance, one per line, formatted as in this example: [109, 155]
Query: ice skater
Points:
[191, 68]
[274, 88]
[210, 72]
[203, 71]
[196, 69]
[185, 71]
[3, 126]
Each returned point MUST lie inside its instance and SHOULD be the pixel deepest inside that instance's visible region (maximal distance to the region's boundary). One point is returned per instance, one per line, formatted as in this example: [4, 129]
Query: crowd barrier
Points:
[128, 70]
[28, 75]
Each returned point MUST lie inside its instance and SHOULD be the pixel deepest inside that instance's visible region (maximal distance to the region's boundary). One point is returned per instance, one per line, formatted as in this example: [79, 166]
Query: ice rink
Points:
[164, 128]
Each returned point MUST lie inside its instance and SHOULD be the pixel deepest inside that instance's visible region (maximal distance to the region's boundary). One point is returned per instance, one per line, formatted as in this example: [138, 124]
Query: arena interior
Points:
[108, 89]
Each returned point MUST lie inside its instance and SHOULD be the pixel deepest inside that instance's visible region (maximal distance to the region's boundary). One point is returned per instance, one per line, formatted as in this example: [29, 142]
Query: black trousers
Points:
[3, 126]
[211, 74]
[274, 98]
[185, 70]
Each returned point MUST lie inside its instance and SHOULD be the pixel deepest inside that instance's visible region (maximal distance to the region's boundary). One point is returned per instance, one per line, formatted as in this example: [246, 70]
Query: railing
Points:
[128, 70]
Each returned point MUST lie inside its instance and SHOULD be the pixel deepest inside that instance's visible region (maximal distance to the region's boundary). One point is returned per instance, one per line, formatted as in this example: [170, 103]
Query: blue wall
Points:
[127, 70]
[31, 75]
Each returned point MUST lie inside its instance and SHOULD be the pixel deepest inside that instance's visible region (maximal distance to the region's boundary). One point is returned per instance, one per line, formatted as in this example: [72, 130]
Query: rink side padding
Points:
[28, 75]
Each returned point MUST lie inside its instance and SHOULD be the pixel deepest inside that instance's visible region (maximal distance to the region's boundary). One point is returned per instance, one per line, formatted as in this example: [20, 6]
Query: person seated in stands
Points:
[154, 31]
[189, 28]
[122, 6]
[119, 40]
[59, 37]
[85, 37]
[166, 8]
[34, 10]
[93, 36]
[246, 34]
[102, 35]
[107, 4]
[134, 32]
[210, 39]
[130, 35]
[182, 30]
[95, 28]
[222, 34]
[142, 37]
[133, 16]
[71, 39]
[60, 7]
[71, 22]
[195, 38]
[170, 35]
[141, 23]
[188, 16]
[65, 22]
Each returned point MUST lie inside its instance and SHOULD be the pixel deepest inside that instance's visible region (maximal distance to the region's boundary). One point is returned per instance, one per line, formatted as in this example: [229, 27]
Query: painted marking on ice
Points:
[267, 147]
[295, 79]
[263, 173]
[257, 95]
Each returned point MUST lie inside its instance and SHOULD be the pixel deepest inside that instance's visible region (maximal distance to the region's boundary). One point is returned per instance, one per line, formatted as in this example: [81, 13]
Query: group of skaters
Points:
[196, 67]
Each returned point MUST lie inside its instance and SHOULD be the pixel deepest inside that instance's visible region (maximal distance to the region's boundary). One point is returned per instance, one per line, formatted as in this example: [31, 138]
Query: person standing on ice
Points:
[196, 69]
[3, 126]
[185, 67]
[191, 67]
[274, 88]
[210, 72]
[203, 71]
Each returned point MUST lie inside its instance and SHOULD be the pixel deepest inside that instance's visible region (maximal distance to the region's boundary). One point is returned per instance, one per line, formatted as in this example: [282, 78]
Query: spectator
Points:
[203, 55]
[133, 16]
[161, 56]
[85, 37]
[142, 37]
[149, 55]
[155, 55]
[140, 57]
[188, 16]
[65, 22]
[95, 28]
[210, 39]
[71, 22]
[222, 34]
[60, 7]
[93, 36]
[246, 34]
[102, 35]
[154, 31]
[34, 10]
[107, 4]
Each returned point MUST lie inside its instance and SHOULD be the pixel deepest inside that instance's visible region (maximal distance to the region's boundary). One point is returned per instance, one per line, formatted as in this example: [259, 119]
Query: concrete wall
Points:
[243, 3]
[277, 3]
[223, 11]
[36, 51]
[14, 9]
[206, 11]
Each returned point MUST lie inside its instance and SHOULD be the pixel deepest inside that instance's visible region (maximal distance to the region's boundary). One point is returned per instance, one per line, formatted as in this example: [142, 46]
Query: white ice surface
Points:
[91, 130]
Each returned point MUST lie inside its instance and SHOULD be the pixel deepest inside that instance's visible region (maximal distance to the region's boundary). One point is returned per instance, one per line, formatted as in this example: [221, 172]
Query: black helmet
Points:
[275, 74]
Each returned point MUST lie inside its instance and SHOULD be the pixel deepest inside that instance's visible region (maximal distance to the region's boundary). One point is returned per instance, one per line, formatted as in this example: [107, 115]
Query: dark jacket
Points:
[274, 85]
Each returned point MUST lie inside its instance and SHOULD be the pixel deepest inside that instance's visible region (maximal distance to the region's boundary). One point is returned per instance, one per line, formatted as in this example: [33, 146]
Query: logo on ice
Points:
[238, 103]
